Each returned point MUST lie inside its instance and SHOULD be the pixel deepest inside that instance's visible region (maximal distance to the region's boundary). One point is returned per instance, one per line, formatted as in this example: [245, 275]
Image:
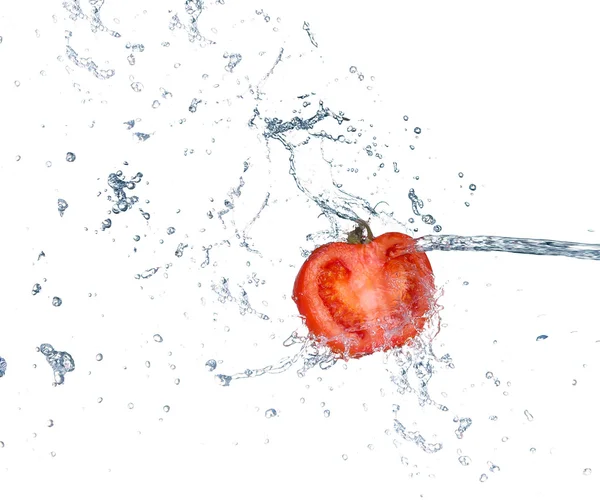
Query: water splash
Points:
[3, 366]
[416, 438]
[118, 184]
[60, 361]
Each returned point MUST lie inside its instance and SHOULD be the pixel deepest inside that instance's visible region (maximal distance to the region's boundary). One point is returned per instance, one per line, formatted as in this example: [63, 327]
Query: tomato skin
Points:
[363, 298]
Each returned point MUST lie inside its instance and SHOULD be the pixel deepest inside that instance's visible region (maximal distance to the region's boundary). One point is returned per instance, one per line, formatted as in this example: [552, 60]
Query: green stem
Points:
[357, 236]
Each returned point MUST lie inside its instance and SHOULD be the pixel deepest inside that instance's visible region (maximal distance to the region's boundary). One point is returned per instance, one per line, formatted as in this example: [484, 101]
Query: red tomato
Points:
[362, 298]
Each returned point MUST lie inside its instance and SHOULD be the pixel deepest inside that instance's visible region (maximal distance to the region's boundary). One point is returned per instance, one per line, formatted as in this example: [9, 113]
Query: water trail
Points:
[482, 243]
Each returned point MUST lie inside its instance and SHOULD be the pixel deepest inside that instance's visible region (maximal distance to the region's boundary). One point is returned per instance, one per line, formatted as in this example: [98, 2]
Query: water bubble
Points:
[100, 399]
[99, 357]
[36, 289]
[437, 228]
[136, 238]
[587, 471]
[460, 174]
[417, 130]
[170, 230]
[70, 156]
[269, 413]
[489, 375]
[353, 69]
[166, 408]
[3, 366]
[528, 415]
[472, 187]
[464, 460]
[541, 337]
[574, 382]
[56, 301]
[158, 338]
[405, 117]
[137, 86]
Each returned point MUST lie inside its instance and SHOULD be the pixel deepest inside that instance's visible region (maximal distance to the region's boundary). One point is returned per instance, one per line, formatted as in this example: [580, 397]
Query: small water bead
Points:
[1, 444]
[532, 450]
[269, 413]
[505, 439]
[574, 382]
[412, 147]
[437, 228]
[464, 460]
[587, 471]
[36, 289]
[405, 117]
[417, 130]
[166, 408]
[99, 357]
[48, 164]
[460, 174]
[17, 83]
[53, 454]
[70, 156]
[326, 413]
[170, 230]
[56, 301]
[483, 477]
[177, 381]
[106, 224]
[158, 338]
[494, 468]
[130, 405]
[528, 415]
[472, 187]
[137, 86]
[467, 204]
[345, 457]
[155, 104]
[493, 418]
[62, 206]
[489, 375]
[541, 337]
[50, 423]
[136, 238]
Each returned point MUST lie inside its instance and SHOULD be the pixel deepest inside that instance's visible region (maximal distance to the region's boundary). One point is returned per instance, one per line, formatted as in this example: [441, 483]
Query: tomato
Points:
[365, 297]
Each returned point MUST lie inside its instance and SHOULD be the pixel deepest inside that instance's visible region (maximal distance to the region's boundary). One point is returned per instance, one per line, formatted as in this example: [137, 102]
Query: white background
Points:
[506, 94]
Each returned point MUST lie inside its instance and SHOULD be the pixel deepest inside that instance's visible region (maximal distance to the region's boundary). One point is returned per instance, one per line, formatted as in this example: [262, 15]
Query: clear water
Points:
[197, 152]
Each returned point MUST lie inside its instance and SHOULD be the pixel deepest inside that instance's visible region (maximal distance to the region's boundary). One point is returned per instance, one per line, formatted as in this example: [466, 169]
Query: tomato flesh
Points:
[362, 298]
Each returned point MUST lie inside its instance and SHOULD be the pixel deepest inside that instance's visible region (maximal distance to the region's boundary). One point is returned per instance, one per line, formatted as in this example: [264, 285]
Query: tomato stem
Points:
[357, 235]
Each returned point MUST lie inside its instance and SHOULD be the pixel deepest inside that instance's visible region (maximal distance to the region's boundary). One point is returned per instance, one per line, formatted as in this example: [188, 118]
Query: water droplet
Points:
[326, 413]
[345, 457]
[574, 382]
[99, 357]
[170, 230]
[177, 381]
[493, 418]
[494, 468]
[137, 86]
[467, 204]
[70, 157]
[36, 289]
[405, 117]
[464, 460]
[587, 471]
[532, 450]
[211, 365]
[417, 130]
[1, 444]
[158, 338]
[17, 83]
[62, 206]
[541, 337]
[472, 187]
[48, 164]
[269, 413]
[437, 228]
[130, 405]
[412, 147]
[3, 366]
[489, 375]
[53, 454]
[50, 423]
[155, 104]
[352, 69]
[166, 408]
[504, 439]
[483, 477]
[460, 174]
[528, 415]
[56, 301]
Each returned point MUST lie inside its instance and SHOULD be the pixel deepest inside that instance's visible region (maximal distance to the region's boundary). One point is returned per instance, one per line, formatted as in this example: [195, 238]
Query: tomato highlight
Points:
[360, 298]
